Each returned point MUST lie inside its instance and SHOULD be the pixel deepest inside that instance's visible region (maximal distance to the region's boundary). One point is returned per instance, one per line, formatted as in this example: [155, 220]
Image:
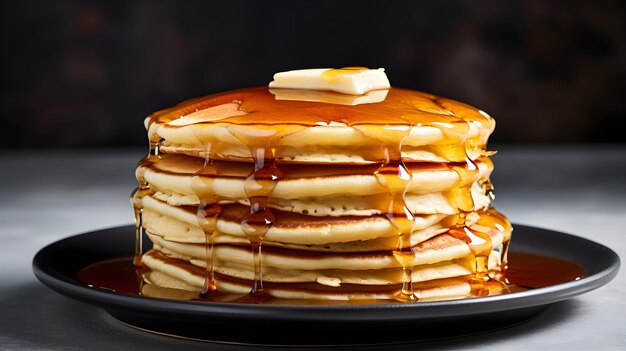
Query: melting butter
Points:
[330, 97]
[347, 80]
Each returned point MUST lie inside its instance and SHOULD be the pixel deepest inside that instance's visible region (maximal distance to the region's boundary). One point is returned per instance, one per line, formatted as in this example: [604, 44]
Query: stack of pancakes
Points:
[319, 198]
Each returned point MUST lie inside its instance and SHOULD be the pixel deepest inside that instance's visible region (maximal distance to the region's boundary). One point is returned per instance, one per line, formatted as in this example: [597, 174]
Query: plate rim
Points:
[311, 313]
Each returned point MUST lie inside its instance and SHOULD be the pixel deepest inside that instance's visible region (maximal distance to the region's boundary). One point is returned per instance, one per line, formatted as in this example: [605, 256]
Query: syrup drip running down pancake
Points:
[294, 193]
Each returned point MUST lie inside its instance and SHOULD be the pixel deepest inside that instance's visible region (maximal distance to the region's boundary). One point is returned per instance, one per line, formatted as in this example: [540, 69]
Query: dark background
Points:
[79, 73]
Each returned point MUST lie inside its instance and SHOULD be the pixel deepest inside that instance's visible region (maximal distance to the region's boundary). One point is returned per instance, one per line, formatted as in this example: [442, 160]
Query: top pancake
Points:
[406, 124]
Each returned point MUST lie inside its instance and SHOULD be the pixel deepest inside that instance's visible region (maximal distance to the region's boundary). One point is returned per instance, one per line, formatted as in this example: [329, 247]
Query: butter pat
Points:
[347, 80]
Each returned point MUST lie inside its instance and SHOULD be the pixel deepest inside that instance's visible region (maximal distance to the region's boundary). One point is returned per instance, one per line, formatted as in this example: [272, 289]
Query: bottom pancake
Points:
[168, 276]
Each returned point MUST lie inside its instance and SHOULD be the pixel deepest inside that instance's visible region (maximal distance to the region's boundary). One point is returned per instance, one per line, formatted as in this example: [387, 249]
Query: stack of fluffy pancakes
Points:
[309, 182]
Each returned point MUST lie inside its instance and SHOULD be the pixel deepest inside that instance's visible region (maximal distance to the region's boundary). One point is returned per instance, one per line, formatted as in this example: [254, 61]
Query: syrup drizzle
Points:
[267, 121]
[258, 188]
[207, 214]
[394, 176]
[333, 75]
[491, 219]
[479, 242]
[142, 190]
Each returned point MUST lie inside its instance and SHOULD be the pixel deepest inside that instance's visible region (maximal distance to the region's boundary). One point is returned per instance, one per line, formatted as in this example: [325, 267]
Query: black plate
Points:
[56, 266]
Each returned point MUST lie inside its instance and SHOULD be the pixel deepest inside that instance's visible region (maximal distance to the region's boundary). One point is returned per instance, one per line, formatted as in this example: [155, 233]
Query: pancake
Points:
[317, 195]
[314, 190]
[308, 132]
[448, 279]
[181, 224]
[440, 248]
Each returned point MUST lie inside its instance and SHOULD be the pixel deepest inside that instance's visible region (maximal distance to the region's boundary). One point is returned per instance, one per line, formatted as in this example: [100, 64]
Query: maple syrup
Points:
[142, 190]
[263, 123]
[524, 271]
[207, 214]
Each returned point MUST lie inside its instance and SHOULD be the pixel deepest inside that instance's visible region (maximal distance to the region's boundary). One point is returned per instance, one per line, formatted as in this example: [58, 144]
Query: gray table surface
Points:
[51, 194]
